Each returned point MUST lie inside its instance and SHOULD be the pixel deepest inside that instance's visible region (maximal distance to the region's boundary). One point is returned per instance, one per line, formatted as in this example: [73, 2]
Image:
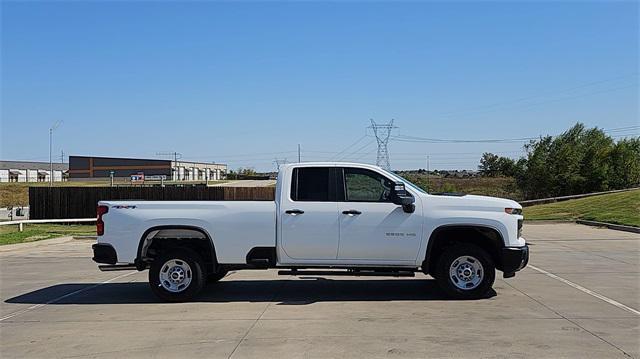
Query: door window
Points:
[363, 185]
[311, 184]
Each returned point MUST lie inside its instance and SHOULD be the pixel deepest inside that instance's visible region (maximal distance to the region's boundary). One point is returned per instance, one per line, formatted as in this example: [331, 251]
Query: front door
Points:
[372, 228]
[309, 215]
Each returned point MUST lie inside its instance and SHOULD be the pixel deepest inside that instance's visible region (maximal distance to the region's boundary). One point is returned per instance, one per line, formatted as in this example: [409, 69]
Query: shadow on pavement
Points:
[286, 292]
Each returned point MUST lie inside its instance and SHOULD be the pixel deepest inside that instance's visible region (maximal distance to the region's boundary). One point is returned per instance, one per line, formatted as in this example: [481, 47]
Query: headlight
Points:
[513, 210]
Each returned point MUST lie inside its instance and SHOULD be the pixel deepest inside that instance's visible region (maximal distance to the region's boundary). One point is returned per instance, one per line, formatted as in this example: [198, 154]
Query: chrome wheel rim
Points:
[175, 275]
[466, 272]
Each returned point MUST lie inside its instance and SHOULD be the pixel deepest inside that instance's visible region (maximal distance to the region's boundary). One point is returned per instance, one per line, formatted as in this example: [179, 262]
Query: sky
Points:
[244, 83]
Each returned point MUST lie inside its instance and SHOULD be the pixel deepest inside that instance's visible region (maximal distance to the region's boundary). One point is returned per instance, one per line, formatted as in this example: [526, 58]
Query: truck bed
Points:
[235, 226]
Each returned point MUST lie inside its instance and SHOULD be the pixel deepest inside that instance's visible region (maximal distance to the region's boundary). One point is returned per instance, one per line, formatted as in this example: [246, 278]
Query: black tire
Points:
[195, 274]
[214, 277]
[448, 282]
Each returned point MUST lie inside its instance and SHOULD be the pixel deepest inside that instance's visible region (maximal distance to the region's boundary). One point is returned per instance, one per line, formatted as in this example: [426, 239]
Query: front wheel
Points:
[176, 276]
[465, 271]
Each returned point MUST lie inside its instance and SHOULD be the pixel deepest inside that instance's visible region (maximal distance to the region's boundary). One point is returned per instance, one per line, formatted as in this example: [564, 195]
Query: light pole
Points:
[55, 125]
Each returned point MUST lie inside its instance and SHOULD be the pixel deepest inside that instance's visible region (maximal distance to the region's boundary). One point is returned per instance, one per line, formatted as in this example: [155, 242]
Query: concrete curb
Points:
[617, 227]
[546, 221]
[86, 237]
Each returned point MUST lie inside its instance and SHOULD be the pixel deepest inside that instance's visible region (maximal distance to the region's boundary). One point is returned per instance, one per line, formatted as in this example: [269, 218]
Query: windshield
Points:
[401, 179]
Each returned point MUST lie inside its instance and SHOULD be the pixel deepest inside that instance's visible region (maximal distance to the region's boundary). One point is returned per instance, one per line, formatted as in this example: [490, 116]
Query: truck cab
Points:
[326, 215]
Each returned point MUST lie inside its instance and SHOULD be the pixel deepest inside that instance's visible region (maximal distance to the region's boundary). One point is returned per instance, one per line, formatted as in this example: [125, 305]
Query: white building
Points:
[197, 171]
[22, 171]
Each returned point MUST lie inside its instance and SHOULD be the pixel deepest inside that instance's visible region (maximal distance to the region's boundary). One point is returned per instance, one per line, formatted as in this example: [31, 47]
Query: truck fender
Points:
[437, 230]
[147, 239]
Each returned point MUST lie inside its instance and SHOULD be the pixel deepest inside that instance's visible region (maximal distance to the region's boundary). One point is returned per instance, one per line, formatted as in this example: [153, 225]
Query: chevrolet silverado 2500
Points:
[327, 215]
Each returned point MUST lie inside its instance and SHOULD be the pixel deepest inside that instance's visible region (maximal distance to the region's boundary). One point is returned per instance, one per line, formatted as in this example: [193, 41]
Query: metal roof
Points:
[26, 165]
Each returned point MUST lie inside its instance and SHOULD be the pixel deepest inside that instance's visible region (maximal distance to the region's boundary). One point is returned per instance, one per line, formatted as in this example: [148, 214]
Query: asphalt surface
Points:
[579, 298]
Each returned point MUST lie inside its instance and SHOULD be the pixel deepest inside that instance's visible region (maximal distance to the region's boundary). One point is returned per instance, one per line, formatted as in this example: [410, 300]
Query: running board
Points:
[115, 267]
[349, 272]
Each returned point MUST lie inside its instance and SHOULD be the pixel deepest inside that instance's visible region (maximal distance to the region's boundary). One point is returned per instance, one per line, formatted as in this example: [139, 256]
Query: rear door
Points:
[309, 215]
[372, 228]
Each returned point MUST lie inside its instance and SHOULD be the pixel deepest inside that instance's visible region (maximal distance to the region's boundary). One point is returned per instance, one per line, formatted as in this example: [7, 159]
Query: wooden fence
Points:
[80, 202]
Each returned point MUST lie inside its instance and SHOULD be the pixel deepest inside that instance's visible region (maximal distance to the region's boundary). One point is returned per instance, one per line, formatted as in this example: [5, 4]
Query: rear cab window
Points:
[313, 184]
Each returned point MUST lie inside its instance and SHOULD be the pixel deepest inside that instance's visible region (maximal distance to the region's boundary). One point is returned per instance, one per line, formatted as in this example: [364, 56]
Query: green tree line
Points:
[580, 160]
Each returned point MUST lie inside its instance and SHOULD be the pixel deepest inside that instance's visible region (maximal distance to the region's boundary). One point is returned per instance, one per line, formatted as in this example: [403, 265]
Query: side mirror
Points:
[401, 197]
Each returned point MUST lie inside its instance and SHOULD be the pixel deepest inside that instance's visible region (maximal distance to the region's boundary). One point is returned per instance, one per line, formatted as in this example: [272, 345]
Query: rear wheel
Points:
[176, 276]
[465, 271]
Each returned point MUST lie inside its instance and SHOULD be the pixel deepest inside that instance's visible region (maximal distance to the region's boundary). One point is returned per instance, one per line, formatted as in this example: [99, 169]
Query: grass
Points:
[618, 208]
[35, 232]
[504, 187]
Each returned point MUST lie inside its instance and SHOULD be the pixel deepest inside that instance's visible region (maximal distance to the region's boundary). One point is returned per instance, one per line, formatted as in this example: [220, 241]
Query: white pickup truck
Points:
[328, 215]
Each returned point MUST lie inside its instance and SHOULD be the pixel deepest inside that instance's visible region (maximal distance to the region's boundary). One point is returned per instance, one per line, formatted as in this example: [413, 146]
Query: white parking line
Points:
[588, 291]
[34, 307]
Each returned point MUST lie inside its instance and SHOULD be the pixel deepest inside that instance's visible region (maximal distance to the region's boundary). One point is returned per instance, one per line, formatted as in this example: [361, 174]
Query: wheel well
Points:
[159, 239]
[486, 238]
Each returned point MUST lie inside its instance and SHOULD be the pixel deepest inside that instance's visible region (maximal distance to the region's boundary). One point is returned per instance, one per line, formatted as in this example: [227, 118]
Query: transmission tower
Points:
[280, 161]
[382, 133]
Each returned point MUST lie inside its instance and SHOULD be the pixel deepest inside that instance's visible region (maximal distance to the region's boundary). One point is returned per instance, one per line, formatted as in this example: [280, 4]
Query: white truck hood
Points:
[471, 202]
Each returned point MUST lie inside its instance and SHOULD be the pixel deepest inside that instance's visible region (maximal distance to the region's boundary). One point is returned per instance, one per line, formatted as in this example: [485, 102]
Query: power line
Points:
[246, 154]
[517, 102]
[348, 147]
[405, 138]
[421, 153]
[635, 127]
[364, 155]
[346, 155]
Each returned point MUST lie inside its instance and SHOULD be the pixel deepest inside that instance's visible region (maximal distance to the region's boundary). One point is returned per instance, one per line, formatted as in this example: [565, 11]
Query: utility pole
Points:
[51, 129]
[176, 157]
[61, 156]
[382, 133]
[428, 183]
[175, 163]
[299, 153]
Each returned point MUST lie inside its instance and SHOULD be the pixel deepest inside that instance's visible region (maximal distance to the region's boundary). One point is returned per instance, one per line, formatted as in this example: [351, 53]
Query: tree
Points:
[580, 160]
[492, 165]
[625, 163]
[488, 165]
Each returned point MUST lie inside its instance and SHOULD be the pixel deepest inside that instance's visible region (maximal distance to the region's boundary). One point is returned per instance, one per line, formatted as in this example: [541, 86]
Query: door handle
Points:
[351, 212]
[294, 212]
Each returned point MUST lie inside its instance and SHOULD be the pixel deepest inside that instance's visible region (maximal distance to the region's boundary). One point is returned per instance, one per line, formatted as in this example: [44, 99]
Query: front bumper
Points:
[104, 253]
[514, 259]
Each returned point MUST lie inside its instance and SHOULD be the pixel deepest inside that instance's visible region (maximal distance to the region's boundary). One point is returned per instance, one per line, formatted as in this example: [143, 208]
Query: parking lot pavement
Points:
[579, 298]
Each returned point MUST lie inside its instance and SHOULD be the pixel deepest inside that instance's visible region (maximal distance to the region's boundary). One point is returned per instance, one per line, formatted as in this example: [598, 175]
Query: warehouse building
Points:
[84, 168]
[198, 171]
[24, 171]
